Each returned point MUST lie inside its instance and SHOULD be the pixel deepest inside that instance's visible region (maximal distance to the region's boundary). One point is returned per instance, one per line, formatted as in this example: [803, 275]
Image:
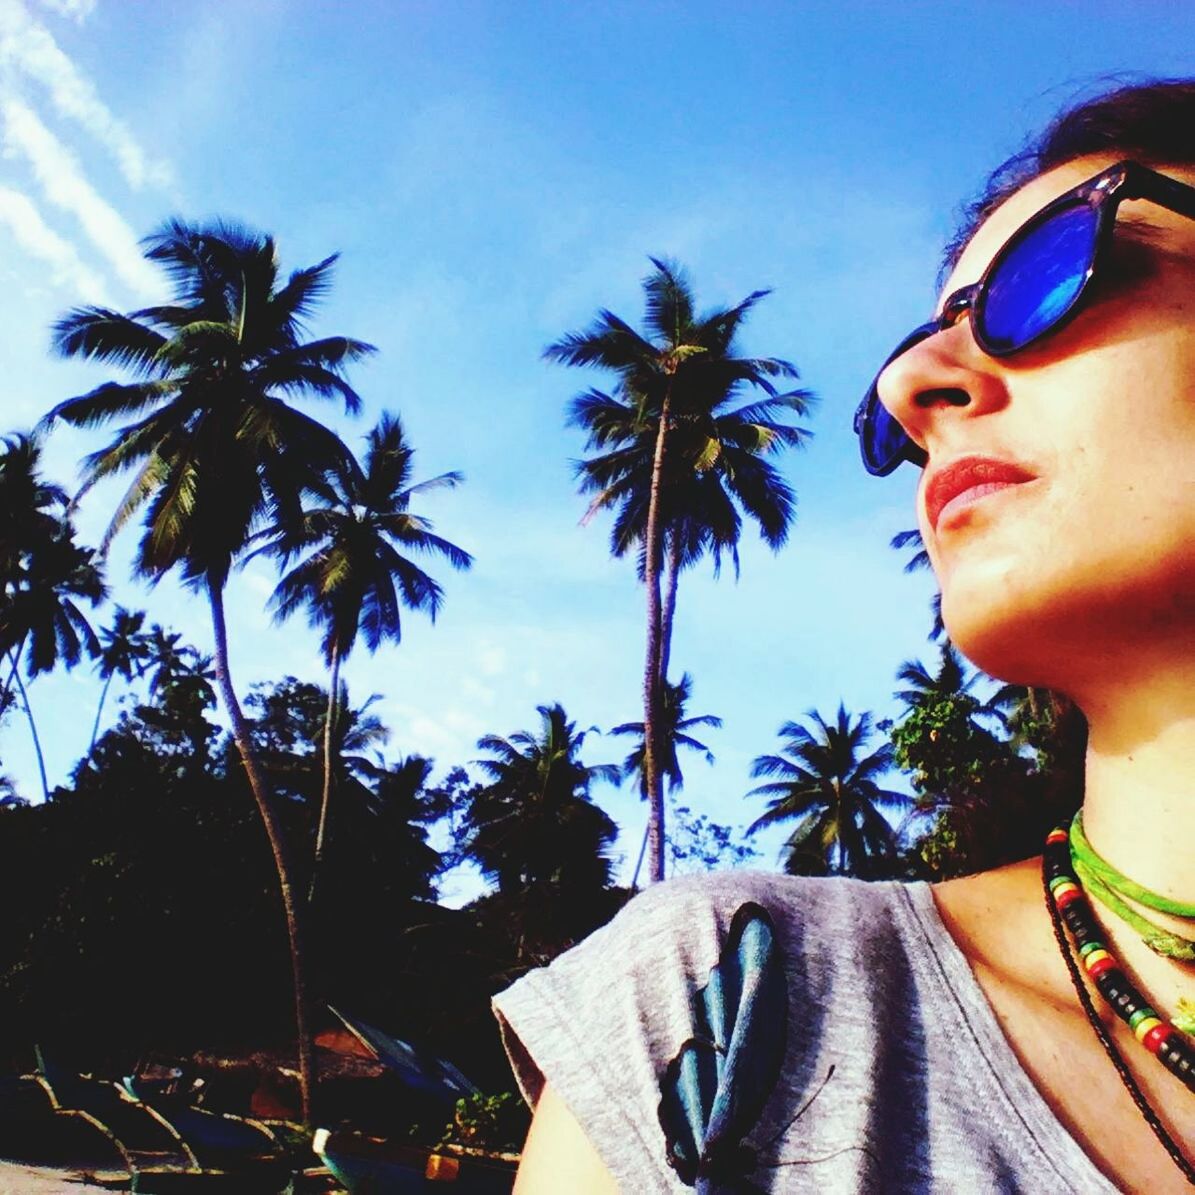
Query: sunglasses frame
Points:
[1105, 192]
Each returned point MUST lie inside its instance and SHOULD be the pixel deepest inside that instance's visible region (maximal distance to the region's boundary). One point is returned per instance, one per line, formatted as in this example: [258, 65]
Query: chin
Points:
[1018, 634]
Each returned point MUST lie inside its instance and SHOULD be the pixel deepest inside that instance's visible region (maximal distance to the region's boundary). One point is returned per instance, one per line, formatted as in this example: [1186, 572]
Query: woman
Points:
[747, 1032]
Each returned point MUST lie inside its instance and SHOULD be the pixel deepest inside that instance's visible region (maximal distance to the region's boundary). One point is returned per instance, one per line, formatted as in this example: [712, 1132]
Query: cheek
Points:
[1101, 561]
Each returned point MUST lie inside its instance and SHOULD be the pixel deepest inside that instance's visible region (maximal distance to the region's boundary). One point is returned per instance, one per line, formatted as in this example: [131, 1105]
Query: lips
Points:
[968, 479]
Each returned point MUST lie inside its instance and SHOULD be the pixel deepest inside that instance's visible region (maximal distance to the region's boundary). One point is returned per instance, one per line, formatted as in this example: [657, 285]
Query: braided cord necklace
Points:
[1067, 905]
[1108, 885]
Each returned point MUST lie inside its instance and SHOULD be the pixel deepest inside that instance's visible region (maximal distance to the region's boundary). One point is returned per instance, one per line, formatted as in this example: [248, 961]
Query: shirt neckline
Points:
[1022, 1096]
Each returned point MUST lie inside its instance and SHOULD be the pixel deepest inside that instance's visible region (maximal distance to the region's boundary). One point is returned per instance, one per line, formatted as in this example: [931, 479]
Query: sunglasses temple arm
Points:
[1170, 193]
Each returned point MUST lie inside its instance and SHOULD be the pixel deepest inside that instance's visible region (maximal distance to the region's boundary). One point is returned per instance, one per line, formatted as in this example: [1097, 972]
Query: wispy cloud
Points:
[28, 49]
[20, 216]
[77, 10]
[62, 181]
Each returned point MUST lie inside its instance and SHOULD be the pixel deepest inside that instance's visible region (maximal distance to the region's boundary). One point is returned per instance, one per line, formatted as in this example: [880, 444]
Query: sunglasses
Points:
[1036, 283]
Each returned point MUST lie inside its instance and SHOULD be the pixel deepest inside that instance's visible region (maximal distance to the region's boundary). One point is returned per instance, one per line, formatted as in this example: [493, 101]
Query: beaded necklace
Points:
[1067, 904]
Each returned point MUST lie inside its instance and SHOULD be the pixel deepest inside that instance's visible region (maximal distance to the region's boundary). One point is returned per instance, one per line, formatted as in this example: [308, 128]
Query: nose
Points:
[938, 381]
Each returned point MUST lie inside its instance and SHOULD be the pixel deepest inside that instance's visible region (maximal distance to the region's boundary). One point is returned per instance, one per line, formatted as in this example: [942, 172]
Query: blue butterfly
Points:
[715, 1089]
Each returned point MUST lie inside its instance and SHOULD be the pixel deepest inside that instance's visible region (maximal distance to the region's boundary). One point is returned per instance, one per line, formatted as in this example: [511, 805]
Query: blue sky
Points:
[492, 174]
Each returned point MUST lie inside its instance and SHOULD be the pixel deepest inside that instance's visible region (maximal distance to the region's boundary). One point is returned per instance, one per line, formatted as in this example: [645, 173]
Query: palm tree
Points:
[917, 563]
[533, 829]
[32, 511]
[830, 788]
[289, 735]
[952, 680]
[674, 728]
[41, 615]
[216, 447]
[166, 660]
[359, 573]
[31, 508]
[678, 457]
[124, 651]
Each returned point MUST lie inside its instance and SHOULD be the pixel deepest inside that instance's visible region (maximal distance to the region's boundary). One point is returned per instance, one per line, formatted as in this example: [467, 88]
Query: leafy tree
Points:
[359, 573]
[678, 457]
[967, 777]
[533, 829]
[216, 447]
[697, 842]
[288, 731]
[124, 651]
[830, 788]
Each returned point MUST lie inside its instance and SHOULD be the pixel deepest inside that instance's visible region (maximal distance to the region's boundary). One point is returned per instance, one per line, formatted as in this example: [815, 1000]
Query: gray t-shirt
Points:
[895, 1075]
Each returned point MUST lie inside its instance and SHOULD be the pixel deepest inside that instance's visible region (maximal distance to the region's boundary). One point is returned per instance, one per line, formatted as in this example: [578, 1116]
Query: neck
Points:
[1139, 804]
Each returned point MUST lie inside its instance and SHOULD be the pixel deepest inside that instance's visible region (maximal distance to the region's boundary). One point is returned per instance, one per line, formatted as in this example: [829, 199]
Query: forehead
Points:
[1031, 198]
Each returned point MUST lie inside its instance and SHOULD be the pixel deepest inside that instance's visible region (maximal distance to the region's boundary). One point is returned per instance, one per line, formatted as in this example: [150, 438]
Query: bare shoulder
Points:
[558, 1156]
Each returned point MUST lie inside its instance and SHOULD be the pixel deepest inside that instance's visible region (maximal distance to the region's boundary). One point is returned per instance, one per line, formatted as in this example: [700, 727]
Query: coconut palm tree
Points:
[533, 829]
[920, 562]
[678, 457]
[216, 448]
[674, 728]
[124, 651]
[41, 615]
[31, 508]
[32, 518]
[358, 574]
[828, 784]
[953, 679]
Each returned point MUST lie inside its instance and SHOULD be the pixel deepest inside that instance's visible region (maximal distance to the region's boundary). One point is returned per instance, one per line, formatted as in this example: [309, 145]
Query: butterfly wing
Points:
[714, 1090]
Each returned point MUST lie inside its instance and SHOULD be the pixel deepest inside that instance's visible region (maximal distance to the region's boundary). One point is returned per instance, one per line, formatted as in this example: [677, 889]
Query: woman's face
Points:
[1090, 561]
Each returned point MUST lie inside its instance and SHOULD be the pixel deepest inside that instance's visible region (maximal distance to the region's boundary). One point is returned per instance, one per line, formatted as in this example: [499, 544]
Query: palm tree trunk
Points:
[639, 862]
[240, 734]
[12, 672]
[41, 759]
[651, 670]
[327, 793]
[671, 579]
[95, 730]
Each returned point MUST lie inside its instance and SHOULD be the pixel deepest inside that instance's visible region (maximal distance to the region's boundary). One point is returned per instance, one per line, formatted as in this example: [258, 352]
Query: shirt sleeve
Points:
[601, 1023]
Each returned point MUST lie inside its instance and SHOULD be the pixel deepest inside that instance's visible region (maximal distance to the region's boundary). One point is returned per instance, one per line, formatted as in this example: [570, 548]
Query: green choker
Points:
[1110, 887]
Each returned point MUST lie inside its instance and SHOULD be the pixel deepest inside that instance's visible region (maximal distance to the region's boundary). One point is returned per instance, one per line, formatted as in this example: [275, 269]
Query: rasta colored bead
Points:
[1140, 1015]
[1088, 947]
[1153, 1040]
[1144, 1026]
[1059, 836]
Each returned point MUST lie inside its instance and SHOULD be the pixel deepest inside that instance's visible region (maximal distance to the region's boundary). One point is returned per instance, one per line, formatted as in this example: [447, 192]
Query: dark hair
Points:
[1151, 122]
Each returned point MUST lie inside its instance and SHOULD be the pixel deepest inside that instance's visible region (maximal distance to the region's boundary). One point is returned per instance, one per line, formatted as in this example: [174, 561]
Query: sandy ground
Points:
[17, 1177]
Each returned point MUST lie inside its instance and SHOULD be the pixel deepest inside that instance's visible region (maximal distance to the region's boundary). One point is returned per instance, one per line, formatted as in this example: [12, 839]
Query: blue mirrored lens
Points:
[882, 439]
[1039, 278]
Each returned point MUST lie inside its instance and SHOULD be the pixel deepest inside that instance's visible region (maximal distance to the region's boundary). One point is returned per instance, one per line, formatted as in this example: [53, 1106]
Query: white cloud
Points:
[20, 216]
[26, 47]
[64, 185]
[491, 660]
[76, 10]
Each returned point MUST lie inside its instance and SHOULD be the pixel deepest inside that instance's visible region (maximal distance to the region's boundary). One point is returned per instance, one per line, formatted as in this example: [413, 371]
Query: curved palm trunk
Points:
[240, 734]
[95, 730]
[639, 861]
[327, 793]
[41, 759]
[651, 670]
